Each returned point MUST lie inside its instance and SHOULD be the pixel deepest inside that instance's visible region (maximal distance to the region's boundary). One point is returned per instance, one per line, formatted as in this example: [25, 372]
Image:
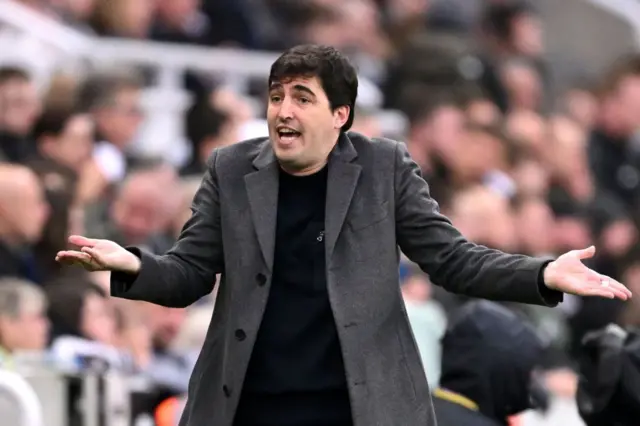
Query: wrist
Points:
[134, 265]
[548, 275]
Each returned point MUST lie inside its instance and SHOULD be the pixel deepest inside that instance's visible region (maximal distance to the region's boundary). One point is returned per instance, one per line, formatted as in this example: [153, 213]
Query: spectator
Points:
[181, 21]
[428, 322]
[83, 325]
[23, 214]
[207, 129]
[64, 142]
[143, 210]
[23, 321]
[19, 109]
[166, 365]
[488, 360]
[123, 18]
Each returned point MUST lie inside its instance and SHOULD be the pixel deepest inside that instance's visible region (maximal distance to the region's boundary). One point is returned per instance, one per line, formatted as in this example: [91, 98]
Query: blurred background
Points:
[524, 117]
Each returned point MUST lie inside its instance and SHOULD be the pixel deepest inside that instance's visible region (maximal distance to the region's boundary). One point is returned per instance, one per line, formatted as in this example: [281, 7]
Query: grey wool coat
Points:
[377, 204]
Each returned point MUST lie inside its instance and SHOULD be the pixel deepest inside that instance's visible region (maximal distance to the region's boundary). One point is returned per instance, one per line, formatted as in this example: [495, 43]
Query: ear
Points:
[340, 116]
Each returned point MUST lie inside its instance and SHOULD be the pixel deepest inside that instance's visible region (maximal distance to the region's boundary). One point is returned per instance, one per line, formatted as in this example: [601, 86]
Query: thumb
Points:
[586, 253]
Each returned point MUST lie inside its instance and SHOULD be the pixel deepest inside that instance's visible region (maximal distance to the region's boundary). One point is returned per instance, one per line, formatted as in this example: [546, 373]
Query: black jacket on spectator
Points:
[609, 386]
[488, 355]
[15, 149]
[615, 164]
[19, 263]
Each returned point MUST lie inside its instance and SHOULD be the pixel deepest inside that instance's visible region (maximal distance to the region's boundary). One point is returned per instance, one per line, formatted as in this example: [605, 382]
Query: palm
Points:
[569, 275]
[96, 255]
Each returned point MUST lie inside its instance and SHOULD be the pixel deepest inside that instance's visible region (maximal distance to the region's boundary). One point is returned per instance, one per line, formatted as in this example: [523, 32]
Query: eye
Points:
[275, 98]
[304, 100]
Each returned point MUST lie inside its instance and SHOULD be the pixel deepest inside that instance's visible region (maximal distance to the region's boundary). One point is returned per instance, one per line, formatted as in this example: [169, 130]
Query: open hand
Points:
[568, 274]
[99, 255]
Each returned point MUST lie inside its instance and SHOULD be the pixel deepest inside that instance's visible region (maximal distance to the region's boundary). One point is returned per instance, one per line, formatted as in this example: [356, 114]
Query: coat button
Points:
[226, 391]
[240, 335]
[261, 279]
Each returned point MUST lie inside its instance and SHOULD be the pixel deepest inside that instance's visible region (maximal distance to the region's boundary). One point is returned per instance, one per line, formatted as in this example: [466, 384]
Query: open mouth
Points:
[288, 135]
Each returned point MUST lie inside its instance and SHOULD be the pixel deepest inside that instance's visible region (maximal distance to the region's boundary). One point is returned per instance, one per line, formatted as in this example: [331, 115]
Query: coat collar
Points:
[262, 191]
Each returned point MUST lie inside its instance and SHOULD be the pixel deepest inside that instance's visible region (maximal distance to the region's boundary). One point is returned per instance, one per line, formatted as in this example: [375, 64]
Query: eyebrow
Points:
[298, 87]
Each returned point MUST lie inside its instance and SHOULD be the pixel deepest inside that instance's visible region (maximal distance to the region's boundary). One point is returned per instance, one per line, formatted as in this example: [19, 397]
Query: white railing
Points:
[627, 10]
[19, 390]
[165, 102]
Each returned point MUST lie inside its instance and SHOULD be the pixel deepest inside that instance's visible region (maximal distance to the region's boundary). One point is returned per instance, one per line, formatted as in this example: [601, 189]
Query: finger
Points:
[599, 291]
[81, 241]
[72, 258]
[72, 255]
[584, 254]
[616, 287]
[93, 255]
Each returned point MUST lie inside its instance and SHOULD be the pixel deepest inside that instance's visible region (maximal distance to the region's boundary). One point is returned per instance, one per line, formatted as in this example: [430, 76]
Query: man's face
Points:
[119, 122]
[73, 146]
[302, 127]
[20, 105]
[29, 213]
[27, 332]
[629, 100]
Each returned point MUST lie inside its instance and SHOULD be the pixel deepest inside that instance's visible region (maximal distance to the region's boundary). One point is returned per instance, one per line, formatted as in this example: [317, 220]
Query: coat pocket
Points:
[365, 218]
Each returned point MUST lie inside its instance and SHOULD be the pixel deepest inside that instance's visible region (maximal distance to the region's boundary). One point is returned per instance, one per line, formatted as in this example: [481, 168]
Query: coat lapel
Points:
[342, 182]
[262, 191]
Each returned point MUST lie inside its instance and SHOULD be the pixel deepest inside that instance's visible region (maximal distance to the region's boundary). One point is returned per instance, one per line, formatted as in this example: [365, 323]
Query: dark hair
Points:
[623, 67]
[203, 121]
[13, 73]
[52, 122]
[497, 19]
[336, 74]
[100, 89]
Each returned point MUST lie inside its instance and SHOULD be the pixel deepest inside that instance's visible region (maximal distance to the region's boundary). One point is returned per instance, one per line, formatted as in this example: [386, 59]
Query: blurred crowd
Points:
[514, 163]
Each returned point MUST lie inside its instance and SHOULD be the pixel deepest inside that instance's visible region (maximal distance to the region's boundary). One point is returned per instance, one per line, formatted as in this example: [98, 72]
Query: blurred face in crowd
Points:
[233, 104]
[484, 217]
[529, 129]
[569, 161]
[441, 132]
[483, 112]
[582, 106]
[72, 147]
[23, 206]
[534, 220]
[302, 126]
[627, 98]
[120, 120]
[98, 319]
[531, 178]
[140, 209]
[523, 86]
[28, 331]
[79, 9]
[478, 153]
[20, 106]
[176, 11]
[527, 36]
[165, 323]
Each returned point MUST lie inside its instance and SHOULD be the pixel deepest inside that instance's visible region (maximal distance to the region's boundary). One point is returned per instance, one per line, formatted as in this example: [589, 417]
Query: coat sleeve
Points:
[188, 270]
[429, 239]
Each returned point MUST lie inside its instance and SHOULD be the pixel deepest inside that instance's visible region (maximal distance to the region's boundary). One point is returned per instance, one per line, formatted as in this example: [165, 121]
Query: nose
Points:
[285, 112]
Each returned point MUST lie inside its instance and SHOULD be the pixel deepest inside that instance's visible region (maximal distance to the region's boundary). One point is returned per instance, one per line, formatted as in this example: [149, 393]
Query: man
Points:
[24, 326]
[23, 214]
[20, 107]
[309, 325]
[488, 359]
